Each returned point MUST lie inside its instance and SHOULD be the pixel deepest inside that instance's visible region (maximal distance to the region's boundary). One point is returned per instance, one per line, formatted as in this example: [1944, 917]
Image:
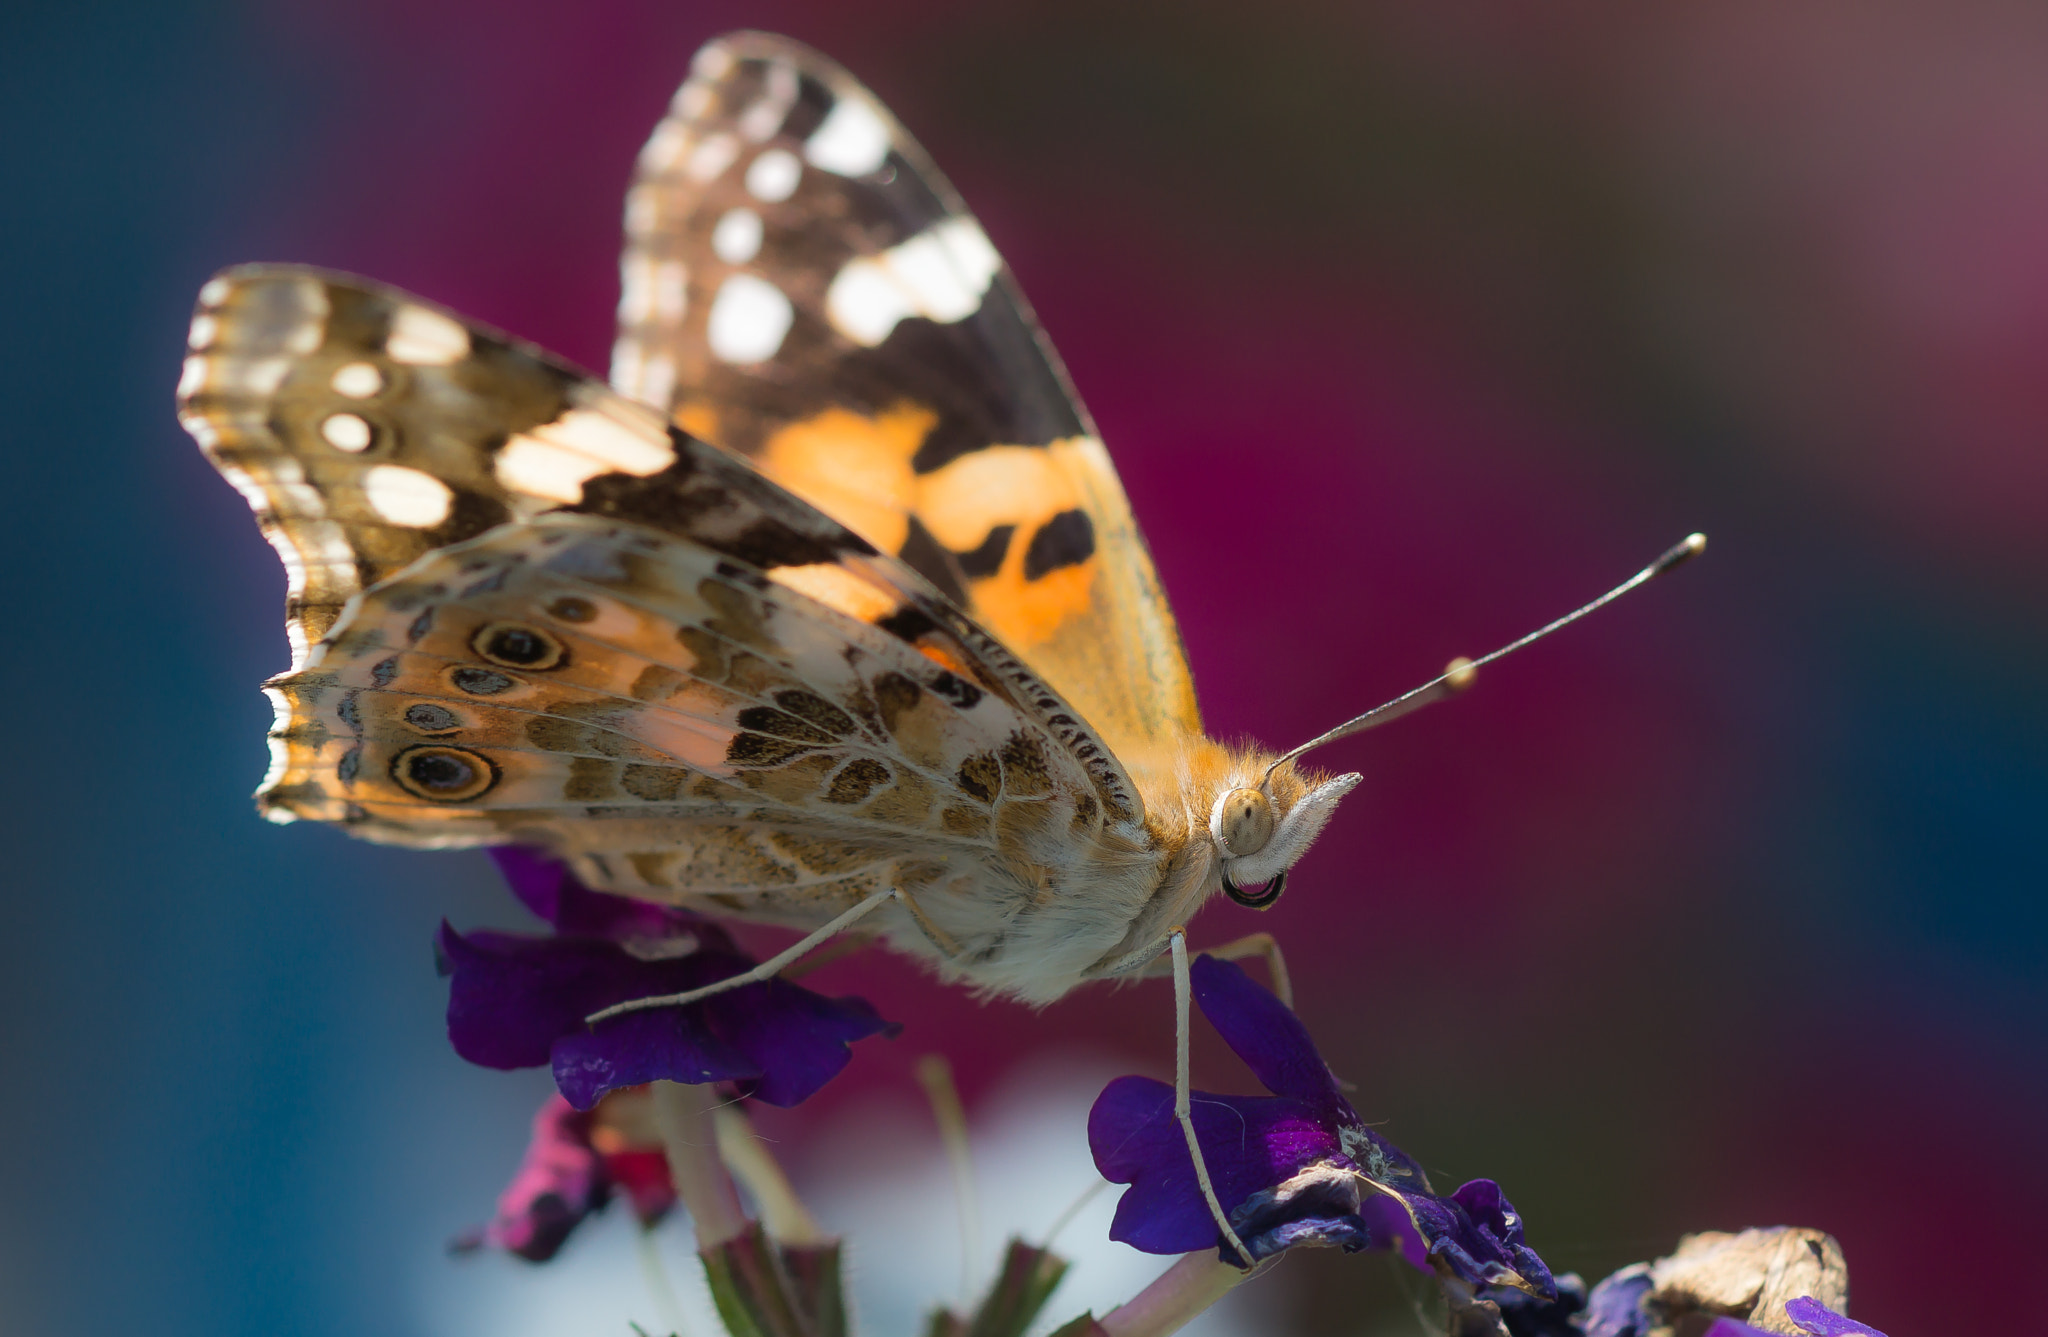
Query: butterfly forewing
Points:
[491, 429]
[800, 285]
[367, 428]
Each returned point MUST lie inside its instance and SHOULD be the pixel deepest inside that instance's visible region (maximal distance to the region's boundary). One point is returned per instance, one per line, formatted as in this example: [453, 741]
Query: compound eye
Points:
[1242, 822]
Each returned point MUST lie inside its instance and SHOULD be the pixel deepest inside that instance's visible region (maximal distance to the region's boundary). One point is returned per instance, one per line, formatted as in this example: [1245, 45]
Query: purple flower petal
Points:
[1478, 1235]
[661, 1043]
[1526, 1315]
[1821, 1321]
[799, 1040]
[546, 886]
[1249, 1144]
[1266, 1034]
[1617, 1307]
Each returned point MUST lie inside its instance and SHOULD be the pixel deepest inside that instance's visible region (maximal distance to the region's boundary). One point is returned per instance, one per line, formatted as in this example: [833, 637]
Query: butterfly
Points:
[829, 607]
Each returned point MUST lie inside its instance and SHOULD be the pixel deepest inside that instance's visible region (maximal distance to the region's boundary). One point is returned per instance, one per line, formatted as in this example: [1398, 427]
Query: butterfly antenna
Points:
[1460, 672]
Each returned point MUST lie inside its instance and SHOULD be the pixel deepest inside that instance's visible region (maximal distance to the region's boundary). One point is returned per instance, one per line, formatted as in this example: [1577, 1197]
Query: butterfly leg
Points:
[1261, 945]
[766, 970]
[1177, 939]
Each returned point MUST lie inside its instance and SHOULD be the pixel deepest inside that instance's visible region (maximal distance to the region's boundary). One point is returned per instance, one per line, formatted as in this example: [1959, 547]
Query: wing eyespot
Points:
[473, 681]
[515, 645]
[430, 718]
[444, 774]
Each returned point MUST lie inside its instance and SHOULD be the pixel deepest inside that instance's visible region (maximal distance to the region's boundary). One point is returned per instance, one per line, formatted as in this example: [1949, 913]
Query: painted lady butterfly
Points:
[853, 620]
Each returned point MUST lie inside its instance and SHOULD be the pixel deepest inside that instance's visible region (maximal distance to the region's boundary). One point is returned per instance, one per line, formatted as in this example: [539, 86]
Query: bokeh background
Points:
[1409, 326]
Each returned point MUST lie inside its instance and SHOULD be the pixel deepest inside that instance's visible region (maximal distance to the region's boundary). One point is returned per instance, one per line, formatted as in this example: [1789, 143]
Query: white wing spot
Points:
[192, 377]
[737, 238]
[941, 274]
[213, 292]
[205, 329]
[749, 319]
[664, 148]
[711, 157]
[643, 209]
[257, 376]
[406, 496]
[711, 63]
[864, 304]
[345, 431]
[657, 380]
[671, 291]
[626, 363]
[852, 140]
[773, 176]
[203, 431]
[280, 752]
[692, 100]
[357, 380]
[765, 117]
[425, 338]
[554, 459]
[636, 287]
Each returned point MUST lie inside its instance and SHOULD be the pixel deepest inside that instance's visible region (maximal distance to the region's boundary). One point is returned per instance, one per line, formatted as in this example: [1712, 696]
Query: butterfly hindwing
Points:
[800, 285]
[676, 721]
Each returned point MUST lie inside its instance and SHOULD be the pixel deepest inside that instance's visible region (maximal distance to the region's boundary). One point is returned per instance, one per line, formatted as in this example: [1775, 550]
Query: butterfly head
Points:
[1259, 836]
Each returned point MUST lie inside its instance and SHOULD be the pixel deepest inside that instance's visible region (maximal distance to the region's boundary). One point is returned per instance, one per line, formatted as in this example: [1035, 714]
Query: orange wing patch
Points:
[854, 468]
[1036, 543]
[1013, 516]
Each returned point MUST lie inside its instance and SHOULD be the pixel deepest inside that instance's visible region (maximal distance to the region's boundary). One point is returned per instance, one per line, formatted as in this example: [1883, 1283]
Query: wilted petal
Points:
[1265, 1033]
[644, 1178]
[1318, 1207]
[1526, 1315]
[560, 1181]
[1618, 1306]
[1478, 1236]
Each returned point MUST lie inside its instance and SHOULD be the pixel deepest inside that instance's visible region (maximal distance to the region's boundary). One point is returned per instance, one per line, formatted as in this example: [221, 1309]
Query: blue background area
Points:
[1727, 911]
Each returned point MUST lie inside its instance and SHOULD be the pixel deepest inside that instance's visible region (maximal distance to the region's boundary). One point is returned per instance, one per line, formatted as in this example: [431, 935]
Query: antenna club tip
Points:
[1459, 674]
[1687, 548]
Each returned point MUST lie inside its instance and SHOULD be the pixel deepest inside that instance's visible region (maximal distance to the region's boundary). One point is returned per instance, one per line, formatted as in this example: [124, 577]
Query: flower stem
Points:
[936, 1076]
[783, 1214]
[687, 1134]
[1184, 1290]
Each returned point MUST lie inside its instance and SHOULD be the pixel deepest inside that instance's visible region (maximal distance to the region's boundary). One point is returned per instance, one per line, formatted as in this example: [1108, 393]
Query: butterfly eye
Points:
[444, 774]
[517, 646]
[1242, 822]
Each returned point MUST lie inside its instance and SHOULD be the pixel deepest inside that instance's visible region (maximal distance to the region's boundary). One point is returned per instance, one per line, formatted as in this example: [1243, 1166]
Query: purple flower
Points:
[1296, 1167]
[573, 1163]
[518, 1001]
[1809, 1314]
